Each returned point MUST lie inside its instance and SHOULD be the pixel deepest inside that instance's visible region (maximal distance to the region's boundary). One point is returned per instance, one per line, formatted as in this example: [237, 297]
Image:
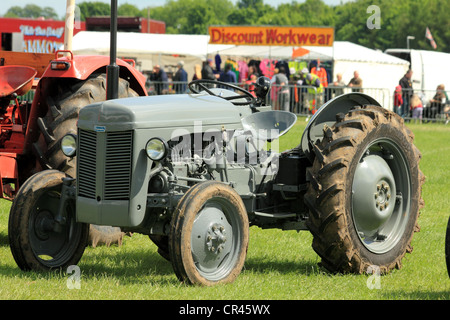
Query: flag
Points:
[430, 37]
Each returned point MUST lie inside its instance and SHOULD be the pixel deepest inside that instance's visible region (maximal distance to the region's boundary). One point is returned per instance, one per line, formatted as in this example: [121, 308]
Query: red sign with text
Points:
[272, 36]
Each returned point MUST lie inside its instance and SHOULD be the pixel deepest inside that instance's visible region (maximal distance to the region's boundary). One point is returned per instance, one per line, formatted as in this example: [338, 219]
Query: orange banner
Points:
[272, 36]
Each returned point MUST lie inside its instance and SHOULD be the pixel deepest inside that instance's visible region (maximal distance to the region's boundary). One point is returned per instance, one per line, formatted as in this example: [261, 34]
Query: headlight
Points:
[156, 149]
[69, 145]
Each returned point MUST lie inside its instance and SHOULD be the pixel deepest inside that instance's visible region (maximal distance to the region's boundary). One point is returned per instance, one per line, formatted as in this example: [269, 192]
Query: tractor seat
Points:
[16, 79]
[269, 125]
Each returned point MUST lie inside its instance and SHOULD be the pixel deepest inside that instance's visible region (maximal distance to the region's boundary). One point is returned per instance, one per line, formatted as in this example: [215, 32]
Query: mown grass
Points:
[279, 265]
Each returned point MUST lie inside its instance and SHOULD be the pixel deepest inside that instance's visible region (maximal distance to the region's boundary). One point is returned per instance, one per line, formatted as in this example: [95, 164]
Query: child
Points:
[416, 107]
[398, 100]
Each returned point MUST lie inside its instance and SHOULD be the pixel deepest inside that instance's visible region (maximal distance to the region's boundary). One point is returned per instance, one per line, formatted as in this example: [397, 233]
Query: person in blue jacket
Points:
[180, 78]
[228, 75]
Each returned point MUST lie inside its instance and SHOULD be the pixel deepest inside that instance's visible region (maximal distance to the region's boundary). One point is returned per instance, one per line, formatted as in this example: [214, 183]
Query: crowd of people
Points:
[408, 103]
[300, 89]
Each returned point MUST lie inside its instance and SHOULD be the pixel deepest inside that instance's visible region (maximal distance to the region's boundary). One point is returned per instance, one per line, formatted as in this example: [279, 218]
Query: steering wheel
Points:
[203, 84]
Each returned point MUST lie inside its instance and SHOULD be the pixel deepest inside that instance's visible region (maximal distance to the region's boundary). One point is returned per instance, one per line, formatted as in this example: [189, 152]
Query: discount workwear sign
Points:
[271, 36]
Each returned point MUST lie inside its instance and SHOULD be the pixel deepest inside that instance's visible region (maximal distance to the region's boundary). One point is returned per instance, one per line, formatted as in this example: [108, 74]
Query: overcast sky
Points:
[60, 5]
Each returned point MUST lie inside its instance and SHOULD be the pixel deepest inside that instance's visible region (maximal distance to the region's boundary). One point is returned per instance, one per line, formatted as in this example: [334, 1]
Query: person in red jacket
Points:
[398, 100]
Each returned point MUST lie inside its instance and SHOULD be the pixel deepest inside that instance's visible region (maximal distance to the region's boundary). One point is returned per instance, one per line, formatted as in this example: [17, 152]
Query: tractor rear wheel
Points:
[64, 105]
[364, 195]
[38, 242]
[209, 235]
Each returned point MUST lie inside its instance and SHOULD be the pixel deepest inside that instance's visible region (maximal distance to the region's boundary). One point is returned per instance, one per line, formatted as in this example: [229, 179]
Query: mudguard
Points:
[81, 67]
[327, 115]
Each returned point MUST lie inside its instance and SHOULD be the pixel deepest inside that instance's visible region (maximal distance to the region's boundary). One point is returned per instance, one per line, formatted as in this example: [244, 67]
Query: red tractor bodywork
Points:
[18, 120]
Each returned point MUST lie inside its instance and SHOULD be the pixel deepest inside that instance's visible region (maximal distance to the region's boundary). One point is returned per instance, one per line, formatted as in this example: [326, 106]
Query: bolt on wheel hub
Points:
[43, 225]
[373, 190]
[382, 196]
[216, 238]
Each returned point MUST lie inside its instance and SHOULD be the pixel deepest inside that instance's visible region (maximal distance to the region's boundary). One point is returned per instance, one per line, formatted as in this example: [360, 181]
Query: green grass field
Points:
[280, 265]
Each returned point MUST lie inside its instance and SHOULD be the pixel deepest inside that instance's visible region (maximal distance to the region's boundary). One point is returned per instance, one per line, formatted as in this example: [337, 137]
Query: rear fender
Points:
[81, 67]
[327, 115]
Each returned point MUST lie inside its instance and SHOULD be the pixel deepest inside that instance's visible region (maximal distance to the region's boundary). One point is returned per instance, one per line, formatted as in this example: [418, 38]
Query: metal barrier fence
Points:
[428, 105]
[302, 100]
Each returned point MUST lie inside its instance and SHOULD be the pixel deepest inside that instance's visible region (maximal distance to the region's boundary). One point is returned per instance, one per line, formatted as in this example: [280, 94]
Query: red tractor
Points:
[31, 131]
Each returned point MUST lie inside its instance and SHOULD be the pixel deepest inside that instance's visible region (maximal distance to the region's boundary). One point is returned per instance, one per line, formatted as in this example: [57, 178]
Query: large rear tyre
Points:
[365, 192]
[37, 241]
[64, 106]
[209, 235]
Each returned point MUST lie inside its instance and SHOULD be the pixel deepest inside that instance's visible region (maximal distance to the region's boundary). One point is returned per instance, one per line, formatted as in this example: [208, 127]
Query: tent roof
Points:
[348, 51]
[138, 44]
[131, 43]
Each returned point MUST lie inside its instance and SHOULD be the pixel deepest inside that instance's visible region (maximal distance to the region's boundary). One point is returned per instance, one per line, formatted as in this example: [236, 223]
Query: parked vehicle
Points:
[429, 67]
[31, 131]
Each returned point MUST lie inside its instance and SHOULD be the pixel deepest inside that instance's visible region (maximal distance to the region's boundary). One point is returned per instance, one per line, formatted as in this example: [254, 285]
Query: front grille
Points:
[118, 165]
[87, 159]
[104, 165]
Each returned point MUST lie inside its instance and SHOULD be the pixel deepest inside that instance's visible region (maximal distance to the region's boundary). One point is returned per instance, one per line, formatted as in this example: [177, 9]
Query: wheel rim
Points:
[381, 193]
[52, 246]
[216, 235]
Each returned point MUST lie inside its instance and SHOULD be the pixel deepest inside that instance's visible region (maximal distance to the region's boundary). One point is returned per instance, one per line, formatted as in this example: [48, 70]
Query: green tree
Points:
[31, 11]
[399, 19]
[14, 12]
[252, 12]
[191, 16]
[129, 10]
[93, 9]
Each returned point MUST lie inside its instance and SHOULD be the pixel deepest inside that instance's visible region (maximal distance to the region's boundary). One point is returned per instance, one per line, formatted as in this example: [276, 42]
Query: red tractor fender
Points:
[76, 68]
[81, 67]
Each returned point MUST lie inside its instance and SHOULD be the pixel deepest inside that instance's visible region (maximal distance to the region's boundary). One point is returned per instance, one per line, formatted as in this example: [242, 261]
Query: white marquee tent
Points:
[147, 49]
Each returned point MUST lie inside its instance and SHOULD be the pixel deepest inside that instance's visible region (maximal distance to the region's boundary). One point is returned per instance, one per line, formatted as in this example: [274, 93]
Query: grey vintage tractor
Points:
[193, 171]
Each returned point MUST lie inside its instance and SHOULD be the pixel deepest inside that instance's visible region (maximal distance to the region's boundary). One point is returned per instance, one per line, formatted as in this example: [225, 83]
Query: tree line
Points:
[353, 21]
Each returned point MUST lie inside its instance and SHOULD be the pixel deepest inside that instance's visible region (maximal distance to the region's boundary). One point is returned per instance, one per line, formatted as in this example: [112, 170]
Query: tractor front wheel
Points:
[38, 242]
[209, 235]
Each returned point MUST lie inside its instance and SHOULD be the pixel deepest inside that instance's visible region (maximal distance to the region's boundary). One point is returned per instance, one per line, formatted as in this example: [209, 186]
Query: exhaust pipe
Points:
[68, 26]
[112, 70]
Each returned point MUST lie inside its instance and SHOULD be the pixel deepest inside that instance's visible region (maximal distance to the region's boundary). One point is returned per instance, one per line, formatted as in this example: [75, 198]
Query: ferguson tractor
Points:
[31, 131]
[193, 172]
